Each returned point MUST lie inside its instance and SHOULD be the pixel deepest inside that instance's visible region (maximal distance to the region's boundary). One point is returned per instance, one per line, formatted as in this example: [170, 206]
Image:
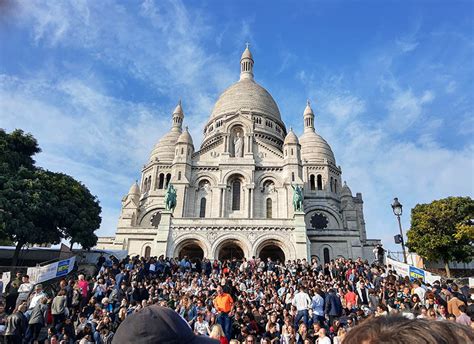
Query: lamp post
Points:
[397, 210]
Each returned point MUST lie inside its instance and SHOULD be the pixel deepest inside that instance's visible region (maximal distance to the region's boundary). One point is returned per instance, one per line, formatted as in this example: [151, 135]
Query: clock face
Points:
[319, 221]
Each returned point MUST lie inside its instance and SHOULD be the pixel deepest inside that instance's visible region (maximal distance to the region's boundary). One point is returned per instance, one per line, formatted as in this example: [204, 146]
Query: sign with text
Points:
[50, 271]
[416, 273]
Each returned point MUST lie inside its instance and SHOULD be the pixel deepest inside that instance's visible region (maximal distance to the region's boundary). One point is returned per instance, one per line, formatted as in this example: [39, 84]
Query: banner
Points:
[403, 269]
[416, 273]
[50, 271]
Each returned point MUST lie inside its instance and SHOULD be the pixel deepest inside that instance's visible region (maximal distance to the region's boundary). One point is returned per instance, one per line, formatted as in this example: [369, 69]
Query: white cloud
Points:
[342, 107]
[405, 108]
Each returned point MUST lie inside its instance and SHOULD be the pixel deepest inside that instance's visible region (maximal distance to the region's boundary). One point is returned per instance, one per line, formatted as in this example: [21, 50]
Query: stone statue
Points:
[238, 146]
[170, 197]
[297, 197]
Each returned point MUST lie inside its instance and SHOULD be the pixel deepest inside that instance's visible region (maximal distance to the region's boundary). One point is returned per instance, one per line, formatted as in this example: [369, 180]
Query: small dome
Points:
[291, 138]
[315, 149]
[185, 137]
[164, 149]
[178, 109]
[134, 189]
[346, 191]
[307, 109]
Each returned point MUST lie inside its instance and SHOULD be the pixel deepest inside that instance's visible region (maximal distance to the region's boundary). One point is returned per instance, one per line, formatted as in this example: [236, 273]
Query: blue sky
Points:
[391, 84]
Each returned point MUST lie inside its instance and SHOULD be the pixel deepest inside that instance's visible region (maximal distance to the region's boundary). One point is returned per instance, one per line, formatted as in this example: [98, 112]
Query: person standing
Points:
[318, 305]
[37, 320]
[333, 306]
[302, 302]
[24, 289]
[58, 308]
[16, 325]
[223, 303]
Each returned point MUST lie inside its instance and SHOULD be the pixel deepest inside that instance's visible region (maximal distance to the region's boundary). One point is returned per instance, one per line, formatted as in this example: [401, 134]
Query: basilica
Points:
[234, 192]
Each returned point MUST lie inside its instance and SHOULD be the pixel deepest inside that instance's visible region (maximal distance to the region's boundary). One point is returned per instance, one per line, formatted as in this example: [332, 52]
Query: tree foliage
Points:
[39, 206]
[441, 230]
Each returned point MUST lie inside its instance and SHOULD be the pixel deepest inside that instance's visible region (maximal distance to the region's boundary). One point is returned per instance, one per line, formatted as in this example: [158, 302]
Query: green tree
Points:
[441, 230]
[38, 206]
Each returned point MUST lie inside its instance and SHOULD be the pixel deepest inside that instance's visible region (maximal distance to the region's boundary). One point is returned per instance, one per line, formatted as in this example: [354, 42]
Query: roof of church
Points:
[185, 137]
[134, 189]
[246, 94]
[291, 138]
[346, 191]
[315, 148]
[164, 149]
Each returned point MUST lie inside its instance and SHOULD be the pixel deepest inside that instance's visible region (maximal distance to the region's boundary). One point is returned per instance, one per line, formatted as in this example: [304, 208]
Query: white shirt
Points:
[324, 340]
[35, 299]
[302, 301]
[201, 327]
[421, 293]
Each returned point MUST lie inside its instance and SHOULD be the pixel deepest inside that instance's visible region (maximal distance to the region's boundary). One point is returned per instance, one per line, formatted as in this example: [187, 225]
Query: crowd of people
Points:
[234, 301]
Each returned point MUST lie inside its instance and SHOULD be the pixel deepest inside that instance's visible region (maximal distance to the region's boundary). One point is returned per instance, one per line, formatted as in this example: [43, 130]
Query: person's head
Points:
[400, 330]
[272, 328]
[219, 290]
[462, 308]
[250, 339]
[22, 307]
[451, 317]
[302, 328]
[322, 333]
[155, 324]
[217, 332]
[25, 279]
[38, 288]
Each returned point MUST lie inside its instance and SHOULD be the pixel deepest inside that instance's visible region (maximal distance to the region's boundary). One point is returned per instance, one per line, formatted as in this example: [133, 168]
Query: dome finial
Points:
[308, 116]
[246, 64]
[178, 116]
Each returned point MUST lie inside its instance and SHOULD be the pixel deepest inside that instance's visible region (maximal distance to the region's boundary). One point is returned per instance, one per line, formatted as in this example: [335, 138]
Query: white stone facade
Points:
[234, 194]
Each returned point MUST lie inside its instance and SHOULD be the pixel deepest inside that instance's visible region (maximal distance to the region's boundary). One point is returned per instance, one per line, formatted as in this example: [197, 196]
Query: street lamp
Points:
[397, 210]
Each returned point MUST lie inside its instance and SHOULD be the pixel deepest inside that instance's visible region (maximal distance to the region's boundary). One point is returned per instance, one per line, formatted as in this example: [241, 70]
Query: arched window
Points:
[149, 183]
[291, 151]
[161, 181]
[168, 178]
[202, 207]
[182, 150]
[330, 184]
[292, 176]
[147, 252]
[327, 258]
[179, 175]
[312, 184]
[335, 185]
[236, 195]
[319, 182]
[269, 208]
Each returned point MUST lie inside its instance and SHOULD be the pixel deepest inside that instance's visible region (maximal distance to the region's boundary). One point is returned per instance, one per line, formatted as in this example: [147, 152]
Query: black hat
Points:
[155, 324]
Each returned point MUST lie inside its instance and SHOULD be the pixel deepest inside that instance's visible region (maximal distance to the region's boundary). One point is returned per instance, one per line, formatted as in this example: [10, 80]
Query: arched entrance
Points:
[230, 250]
[272, 251]
[192, 250]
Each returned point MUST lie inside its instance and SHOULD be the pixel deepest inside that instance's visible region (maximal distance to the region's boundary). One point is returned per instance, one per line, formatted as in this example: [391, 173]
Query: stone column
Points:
[163, 234]
[301, 240]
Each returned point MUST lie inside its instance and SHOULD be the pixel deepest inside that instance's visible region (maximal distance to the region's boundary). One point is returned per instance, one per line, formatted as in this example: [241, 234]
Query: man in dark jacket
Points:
[16, 325]
[332, 306]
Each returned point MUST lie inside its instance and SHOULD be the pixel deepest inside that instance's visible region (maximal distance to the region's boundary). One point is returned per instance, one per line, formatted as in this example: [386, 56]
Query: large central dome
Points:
[246, 94]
